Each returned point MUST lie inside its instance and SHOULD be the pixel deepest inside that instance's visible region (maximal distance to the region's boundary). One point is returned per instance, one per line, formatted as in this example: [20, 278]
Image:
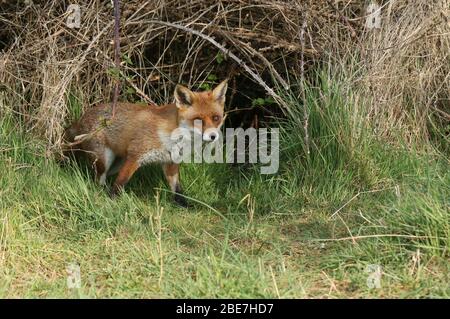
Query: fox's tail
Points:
[68, 149]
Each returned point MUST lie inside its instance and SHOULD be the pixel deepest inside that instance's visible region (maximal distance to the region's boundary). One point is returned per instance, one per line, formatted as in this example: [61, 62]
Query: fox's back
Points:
[101, 115]
[132, 123]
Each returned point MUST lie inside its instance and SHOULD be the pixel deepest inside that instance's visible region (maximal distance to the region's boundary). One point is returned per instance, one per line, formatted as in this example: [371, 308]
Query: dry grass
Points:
[311, 230]
[402, 69]
[406, 69]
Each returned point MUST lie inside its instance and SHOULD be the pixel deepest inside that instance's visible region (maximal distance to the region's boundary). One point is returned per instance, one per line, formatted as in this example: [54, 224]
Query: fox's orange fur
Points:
[138, 134]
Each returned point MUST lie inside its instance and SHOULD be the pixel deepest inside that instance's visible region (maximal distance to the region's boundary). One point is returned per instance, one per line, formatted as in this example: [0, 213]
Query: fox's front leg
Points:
[127, 170]
[172, 173]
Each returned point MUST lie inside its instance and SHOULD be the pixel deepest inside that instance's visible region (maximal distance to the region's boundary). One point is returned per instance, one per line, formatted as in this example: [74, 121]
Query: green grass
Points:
[309, 231]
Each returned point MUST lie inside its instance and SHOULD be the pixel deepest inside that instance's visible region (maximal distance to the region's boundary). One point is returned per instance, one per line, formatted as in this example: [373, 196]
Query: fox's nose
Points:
[211, 135]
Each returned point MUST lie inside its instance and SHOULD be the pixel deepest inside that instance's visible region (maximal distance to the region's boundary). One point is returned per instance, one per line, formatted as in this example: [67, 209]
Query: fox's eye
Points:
[216, 118]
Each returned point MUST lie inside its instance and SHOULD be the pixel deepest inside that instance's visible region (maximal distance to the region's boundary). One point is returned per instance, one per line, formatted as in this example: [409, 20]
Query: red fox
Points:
[139, 135]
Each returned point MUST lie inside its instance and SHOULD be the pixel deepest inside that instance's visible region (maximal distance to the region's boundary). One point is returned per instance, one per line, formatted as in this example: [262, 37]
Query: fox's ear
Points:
[220, 91]
[183, 96]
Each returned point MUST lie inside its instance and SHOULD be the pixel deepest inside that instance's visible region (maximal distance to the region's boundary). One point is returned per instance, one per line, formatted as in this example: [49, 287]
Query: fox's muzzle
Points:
[211, 134]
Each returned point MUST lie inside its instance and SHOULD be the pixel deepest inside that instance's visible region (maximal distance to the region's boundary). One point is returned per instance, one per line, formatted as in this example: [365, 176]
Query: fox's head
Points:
[201, 112]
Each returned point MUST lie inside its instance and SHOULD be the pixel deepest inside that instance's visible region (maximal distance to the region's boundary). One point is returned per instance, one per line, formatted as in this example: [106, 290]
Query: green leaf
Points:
[127, 59]
[212, 77]
[130, 90]
[113, 72]
[258, 102]
[269, 100]
[219, 58]
[205, 86]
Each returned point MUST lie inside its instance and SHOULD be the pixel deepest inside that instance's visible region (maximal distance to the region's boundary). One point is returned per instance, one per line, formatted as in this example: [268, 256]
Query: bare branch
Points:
[241, 63]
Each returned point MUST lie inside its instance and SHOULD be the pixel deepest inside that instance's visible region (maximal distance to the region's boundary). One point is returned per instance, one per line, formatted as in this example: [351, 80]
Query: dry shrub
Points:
[406, 68]
[45, 64]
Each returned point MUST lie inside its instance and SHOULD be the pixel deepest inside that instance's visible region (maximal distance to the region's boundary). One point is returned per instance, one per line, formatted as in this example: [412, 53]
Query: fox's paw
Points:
[181, 201]
[114, 192]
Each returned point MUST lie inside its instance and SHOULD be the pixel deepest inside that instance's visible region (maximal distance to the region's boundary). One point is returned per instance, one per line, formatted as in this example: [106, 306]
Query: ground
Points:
[239, 240]
[359, 217]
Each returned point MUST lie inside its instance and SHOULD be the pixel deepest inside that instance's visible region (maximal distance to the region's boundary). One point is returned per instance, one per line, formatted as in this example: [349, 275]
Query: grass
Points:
[312, 230]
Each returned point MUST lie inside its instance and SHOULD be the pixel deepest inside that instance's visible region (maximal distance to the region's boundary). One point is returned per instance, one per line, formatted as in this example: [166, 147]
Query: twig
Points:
[116, 54]
[121, 73]
[348, 229]
[241, 63]
[197, 201]
[81, 138]
[160, 210]
[274, 282]
[332, 284]
[359, 193]
[344, 18]
[353, 238]
[302, 83]
[252, 51]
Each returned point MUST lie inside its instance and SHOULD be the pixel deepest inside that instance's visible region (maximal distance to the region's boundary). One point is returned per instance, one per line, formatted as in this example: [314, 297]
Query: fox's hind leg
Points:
[108, 157]
[103, 163]
[116, 166]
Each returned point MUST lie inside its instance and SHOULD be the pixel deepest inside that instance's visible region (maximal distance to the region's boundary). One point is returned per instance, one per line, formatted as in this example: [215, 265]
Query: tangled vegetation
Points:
[364, 174]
